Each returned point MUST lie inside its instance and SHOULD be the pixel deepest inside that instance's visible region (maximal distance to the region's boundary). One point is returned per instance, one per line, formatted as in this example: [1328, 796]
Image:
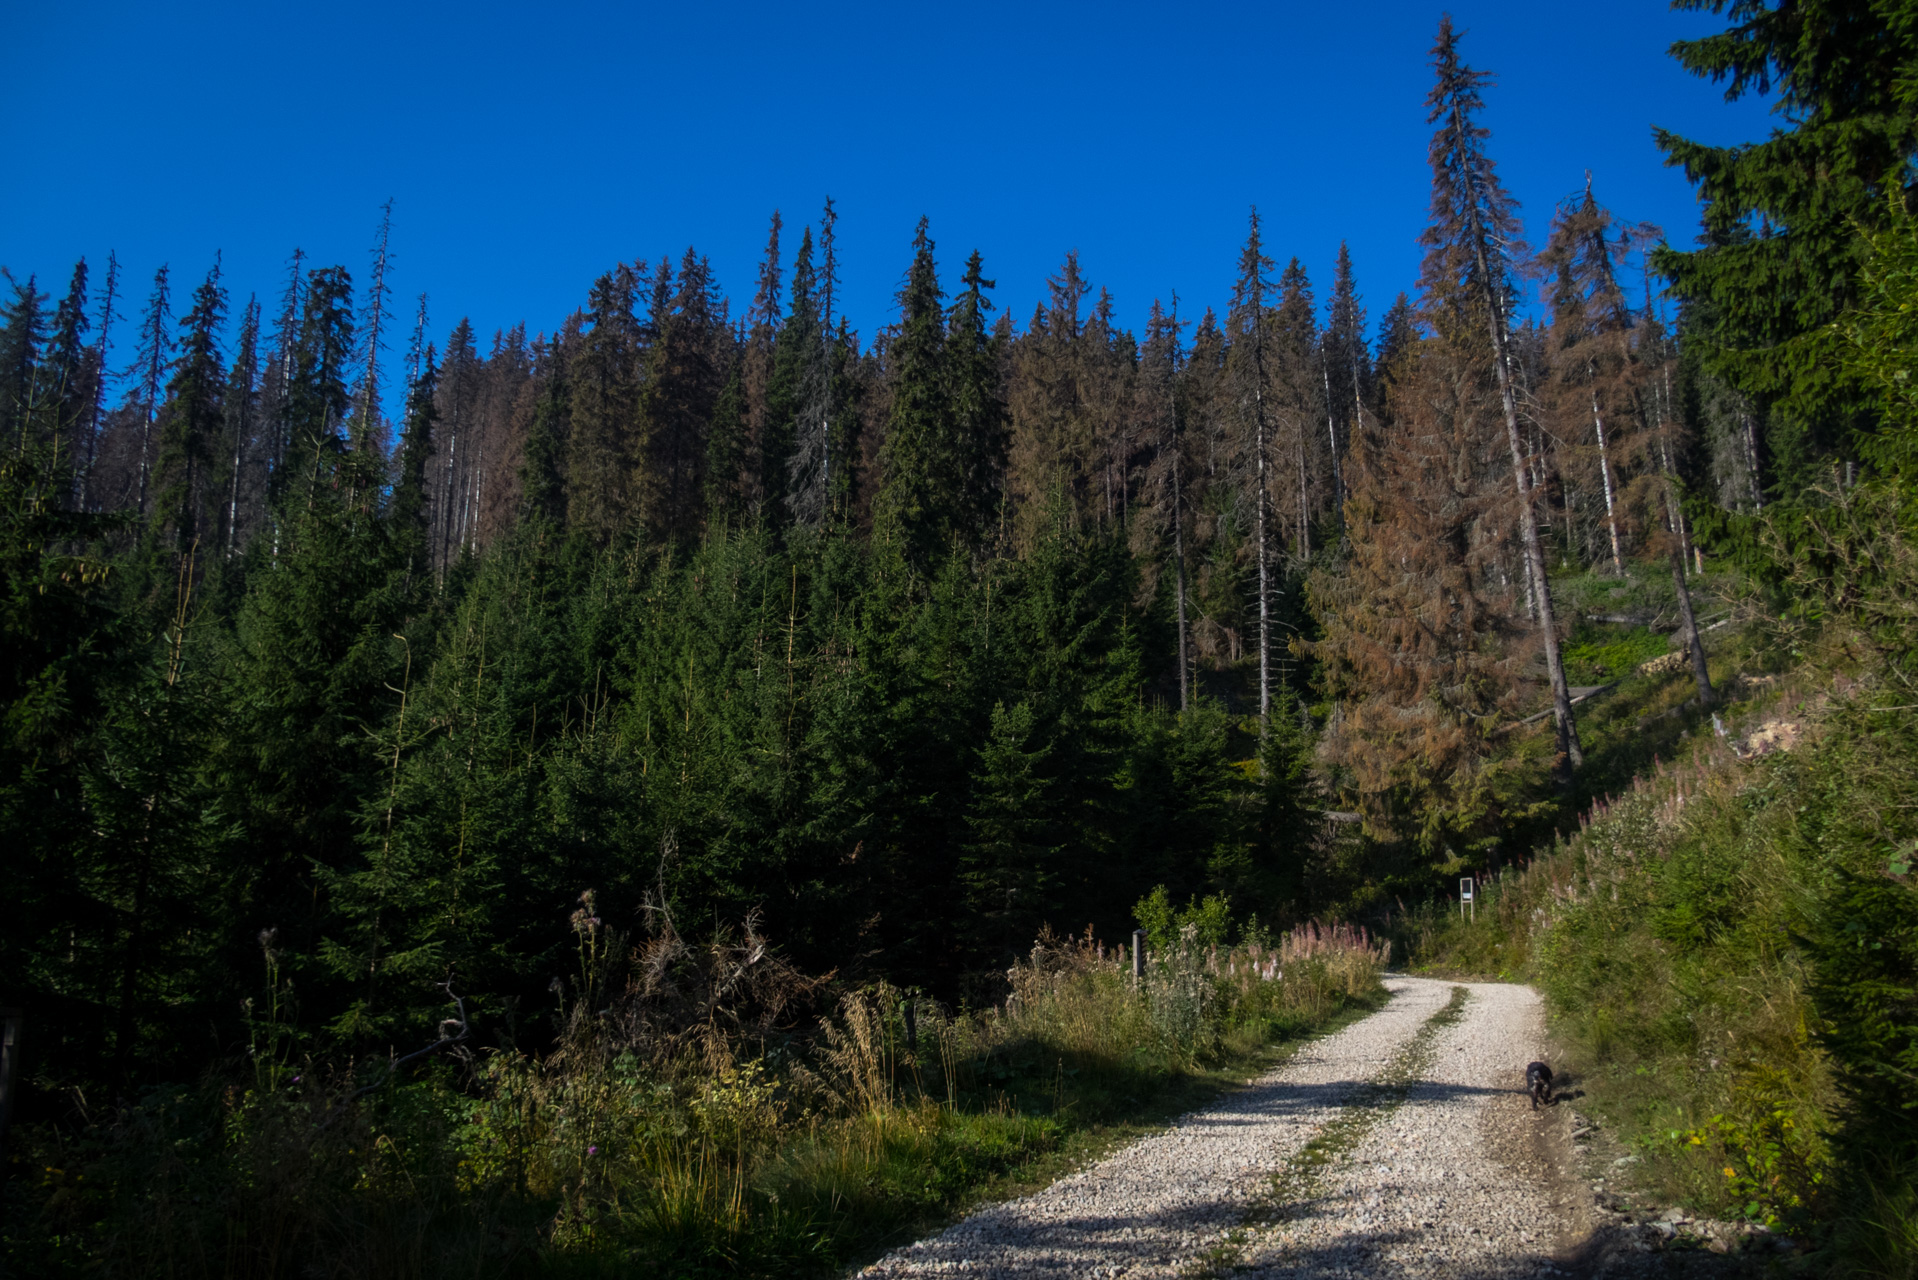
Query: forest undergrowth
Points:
[687, 1123]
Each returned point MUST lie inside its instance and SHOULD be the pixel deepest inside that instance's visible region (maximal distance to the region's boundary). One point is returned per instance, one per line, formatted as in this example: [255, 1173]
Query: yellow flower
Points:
[1730, 1172]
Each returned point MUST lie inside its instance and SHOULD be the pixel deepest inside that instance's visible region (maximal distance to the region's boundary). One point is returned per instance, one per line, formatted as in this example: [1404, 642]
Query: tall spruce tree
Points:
[914, 510]
[22, 333]
[1250, 366]
[242, 405]
[1160, 362]
[1398, 334]
[762, 330]
[149, 371]
[972, 357]
[793, 447]
[86, 456]
[367, 422]
[1782, 217]
[1346, 367]
[319, 400]
[543, 459]
[1591, 387]
[604, 402]
[685, 373]
[1469, 241]
[191, 422]
[1295, 341]
[66, 372]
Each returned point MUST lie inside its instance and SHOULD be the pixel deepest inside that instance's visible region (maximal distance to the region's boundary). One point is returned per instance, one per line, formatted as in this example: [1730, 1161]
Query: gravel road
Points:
[1397, 1146]
[1448, 1182]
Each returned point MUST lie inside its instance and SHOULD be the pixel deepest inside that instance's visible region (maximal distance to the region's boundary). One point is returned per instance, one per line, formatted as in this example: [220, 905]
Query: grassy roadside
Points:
[639, 1150]
[1728, 948]
[1081, 1145]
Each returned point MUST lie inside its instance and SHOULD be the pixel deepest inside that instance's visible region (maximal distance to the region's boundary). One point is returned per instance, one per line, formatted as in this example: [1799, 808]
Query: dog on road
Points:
[1538, 1080]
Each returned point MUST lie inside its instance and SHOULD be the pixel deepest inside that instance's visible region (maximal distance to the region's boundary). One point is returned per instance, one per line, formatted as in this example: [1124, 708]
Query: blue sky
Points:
[527, 148]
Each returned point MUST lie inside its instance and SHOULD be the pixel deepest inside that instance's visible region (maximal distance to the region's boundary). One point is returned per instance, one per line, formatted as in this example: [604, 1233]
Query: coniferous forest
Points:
[695, 631]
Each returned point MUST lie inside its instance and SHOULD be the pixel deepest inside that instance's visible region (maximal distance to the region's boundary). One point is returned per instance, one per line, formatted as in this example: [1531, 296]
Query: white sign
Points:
[1465, 889]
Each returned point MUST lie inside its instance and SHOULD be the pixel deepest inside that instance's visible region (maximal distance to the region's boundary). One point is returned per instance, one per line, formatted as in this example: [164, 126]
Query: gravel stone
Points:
[1167, 1203]
[1439, 1187]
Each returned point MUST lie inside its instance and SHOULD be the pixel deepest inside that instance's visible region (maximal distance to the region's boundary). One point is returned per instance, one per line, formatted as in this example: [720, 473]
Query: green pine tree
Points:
[1783, 217]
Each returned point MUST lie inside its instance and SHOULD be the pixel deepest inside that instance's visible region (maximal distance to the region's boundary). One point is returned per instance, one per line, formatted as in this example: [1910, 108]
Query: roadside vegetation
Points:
[686, 1124]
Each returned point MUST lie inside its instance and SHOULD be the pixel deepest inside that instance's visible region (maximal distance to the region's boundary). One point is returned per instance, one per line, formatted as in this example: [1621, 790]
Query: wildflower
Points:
[592, 1151]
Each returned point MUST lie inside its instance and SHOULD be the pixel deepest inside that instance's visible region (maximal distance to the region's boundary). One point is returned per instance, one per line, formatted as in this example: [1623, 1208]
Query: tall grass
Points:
[673, 1133]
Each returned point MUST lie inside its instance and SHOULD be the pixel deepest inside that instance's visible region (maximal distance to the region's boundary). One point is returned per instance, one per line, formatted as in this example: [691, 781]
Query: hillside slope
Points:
[1729, 954]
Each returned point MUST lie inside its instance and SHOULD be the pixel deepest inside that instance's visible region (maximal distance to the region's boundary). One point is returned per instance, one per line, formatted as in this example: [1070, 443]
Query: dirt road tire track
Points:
[1403, 1147]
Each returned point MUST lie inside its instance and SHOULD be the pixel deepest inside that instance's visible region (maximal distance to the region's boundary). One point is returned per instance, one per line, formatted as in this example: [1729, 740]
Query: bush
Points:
[680, 1128]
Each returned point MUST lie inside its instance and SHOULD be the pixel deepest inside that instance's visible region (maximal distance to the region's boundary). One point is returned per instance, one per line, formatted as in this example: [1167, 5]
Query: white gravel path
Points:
[1162, 1204]
[1424, 1193]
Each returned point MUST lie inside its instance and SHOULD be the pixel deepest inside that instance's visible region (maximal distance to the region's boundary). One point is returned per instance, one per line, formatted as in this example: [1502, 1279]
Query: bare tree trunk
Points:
[1569, 754]
[1750, 441]
[1265, 586]
[1305, 514]
[1178, 559]
[1689, 624]
[446, 492]
[1689, 552]
[1332, 437]
[95, 409]
[1605, 475]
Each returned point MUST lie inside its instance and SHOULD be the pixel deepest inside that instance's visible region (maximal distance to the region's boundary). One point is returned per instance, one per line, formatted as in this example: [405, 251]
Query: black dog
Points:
[1538, 1079]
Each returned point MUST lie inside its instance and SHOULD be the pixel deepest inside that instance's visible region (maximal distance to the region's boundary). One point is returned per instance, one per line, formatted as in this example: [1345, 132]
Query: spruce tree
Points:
[366, 434]
[604, 390]
[1052, 442]
[86, 457]
[914, 512]
[1398, 334]
[149, 370]
[1346, 366]
[972, 356]
[792, 445]
[318, 400]
[1295, 343]
[66, 372]
[543, 459]
[762, 329]
[191, 423]
[1008, 866]
[727, 485]
[242, 405]
[22, 333]
[1467, 274]
[845, 426]
[1591, 374]
[1159, 405]
[277, 393]
[411, 509]
[1782, 218]
[684, 375]
[1250, 368]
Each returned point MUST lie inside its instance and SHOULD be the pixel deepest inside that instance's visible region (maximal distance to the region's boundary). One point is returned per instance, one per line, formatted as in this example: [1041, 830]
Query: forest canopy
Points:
[905, 645]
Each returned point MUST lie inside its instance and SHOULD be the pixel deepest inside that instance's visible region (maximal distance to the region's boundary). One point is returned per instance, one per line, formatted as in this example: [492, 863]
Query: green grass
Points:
[602, 1160]
[1699, 947]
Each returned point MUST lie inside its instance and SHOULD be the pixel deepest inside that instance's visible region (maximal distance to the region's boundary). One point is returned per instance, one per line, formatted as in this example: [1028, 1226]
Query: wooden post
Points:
[1138, 956]
[10, 1020]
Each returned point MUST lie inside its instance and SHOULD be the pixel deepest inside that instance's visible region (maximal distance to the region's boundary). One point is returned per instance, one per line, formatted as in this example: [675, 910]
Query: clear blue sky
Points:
[529, 147]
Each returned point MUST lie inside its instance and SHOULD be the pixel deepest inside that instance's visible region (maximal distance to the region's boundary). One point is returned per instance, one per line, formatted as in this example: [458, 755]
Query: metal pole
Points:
[1138, 956]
